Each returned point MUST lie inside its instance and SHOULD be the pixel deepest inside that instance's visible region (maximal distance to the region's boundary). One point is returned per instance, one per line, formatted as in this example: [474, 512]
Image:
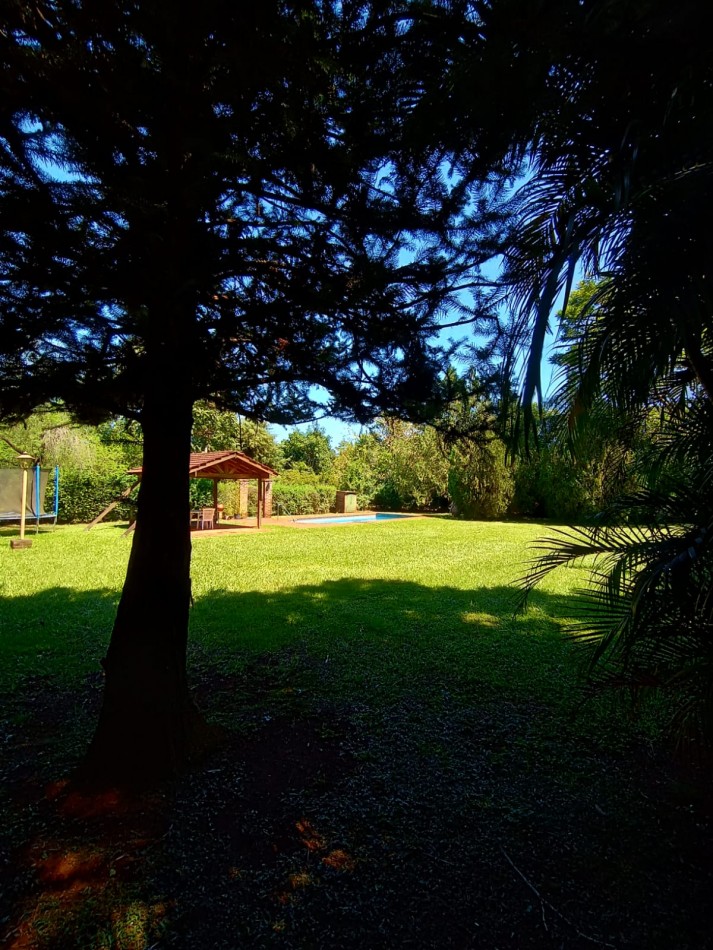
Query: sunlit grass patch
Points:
[422, 588]
[479, 619]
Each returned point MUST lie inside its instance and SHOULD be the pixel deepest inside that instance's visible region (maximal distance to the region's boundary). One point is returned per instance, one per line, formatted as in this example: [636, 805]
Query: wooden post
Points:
[259, 502]
[22, 542]
[23, 504]
[215, 501]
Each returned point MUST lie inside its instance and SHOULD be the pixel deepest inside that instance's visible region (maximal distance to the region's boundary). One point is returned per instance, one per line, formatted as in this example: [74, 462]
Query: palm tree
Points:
[620, 150]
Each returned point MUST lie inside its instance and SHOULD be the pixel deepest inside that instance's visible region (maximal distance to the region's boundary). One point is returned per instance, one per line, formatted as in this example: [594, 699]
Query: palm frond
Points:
[645, 617]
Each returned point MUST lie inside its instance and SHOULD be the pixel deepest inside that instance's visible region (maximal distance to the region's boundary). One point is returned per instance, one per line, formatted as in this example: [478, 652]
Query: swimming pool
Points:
[348, 519]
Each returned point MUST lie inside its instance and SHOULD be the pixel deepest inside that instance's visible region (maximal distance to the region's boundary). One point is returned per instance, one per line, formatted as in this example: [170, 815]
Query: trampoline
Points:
[37, 482]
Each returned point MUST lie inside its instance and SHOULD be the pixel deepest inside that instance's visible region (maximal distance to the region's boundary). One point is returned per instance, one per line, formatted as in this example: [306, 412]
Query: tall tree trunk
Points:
[149, 728]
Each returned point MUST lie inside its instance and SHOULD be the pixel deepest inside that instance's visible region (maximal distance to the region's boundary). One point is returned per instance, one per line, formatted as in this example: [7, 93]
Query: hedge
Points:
[296, 499]
[84, 494]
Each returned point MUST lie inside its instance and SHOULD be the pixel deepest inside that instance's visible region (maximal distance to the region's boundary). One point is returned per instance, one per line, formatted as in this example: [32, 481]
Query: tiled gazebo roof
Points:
[228, 465]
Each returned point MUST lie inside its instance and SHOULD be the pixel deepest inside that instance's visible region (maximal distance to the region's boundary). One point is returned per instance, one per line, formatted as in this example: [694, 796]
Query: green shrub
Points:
[229, 498]
[480, 483]
[362, 466]
[553, 485]
[398, 466]
[301, 474]
[296, 499]
[387, 498]
[542, 484]
[84, 494]
[200, 492]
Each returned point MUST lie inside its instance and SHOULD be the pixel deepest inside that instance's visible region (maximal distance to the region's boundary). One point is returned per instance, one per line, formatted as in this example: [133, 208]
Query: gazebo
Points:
[218, 466]
[228, 465]
[232, 466]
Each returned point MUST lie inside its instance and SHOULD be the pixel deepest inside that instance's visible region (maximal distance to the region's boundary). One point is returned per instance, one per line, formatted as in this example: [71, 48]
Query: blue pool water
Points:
[345, 519]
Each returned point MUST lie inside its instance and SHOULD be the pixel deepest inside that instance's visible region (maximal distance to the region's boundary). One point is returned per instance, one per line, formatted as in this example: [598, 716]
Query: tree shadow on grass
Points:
[404, 771]
[391, 637]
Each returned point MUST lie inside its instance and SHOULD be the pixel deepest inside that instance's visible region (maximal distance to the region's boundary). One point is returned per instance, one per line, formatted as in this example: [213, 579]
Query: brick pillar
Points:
[243, 500]
[268, 499]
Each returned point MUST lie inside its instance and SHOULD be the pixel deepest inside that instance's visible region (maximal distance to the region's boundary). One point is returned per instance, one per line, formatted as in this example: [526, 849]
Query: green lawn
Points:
[411, 763]
[401, 605]
[425, 588]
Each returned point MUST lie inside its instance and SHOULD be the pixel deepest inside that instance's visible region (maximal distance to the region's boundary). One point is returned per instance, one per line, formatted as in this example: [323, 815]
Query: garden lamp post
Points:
[25, 461]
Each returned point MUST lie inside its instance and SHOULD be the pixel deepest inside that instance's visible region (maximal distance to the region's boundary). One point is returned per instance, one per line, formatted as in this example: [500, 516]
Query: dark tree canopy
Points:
[218, 196]
[238, 203]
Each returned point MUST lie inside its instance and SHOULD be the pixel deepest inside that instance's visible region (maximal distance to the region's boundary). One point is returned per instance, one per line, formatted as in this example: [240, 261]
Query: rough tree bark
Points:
[149, 728]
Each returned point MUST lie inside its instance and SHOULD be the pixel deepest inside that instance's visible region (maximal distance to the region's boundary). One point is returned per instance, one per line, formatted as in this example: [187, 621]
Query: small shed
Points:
[232, 465]
[346, 502]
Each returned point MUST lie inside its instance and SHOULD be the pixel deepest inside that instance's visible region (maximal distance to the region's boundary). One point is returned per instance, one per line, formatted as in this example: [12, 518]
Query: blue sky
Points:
[338, 431]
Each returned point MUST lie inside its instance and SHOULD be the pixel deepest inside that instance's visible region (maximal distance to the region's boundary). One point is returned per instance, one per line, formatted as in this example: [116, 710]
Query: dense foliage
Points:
[480, 483]
[311, 449]
[394, 465]
[618, 135]
[93, 463]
